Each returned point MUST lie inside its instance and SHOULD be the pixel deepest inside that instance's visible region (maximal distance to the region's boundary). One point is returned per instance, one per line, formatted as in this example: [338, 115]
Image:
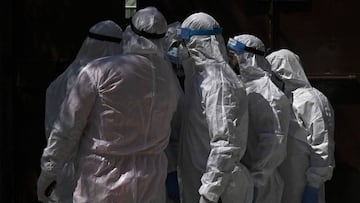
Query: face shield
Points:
[240, 47]
[183, 35]
[177, 51]
[241, 54]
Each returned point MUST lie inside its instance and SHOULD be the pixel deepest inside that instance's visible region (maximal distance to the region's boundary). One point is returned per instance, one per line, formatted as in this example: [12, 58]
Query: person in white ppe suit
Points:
[103, 40]
[269, 114]
[214, 131]
[147, 37]
[171, 47]
[118, 113]
[310, 158]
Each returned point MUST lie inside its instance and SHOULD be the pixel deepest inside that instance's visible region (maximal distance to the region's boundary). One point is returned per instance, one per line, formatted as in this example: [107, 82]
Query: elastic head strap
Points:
[104, 37]
[241, 47]
[187, 33]
[254, 51]
[146, 34]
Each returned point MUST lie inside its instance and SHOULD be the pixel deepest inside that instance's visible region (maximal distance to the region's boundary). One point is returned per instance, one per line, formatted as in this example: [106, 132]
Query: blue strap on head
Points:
[236, 45]
[187, 33]
[240, 47]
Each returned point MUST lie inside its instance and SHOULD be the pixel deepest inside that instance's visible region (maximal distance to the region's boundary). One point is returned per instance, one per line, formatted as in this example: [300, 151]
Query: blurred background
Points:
[40, 38]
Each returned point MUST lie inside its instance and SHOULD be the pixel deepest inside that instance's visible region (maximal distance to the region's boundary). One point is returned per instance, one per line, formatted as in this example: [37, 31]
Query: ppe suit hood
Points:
[170, 36]
[252, 66]
[94, 48]
[204, 48]
[287, 66]
[148, 20]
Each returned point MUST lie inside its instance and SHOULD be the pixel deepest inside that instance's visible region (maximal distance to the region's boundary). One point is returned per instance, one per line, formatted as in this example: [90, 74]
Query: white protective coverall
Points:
[269, 114]
[91, 48]
[310, 158]
[118, 112]
[214, 131]
[173, 148]
[147, 38]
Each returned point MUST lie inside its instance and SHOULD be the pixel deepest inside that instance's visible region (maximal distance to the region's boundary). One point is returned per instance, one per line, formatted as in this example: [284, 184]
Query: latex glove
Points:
[204, 200]
[45, 185]
[310, 195]
[172, 186]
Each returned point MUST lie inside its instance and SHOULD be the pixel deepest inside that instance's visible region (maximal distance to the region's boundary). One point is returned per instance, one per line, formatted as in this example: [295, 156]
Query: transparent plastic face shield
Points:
[240, 47]
[184, 34]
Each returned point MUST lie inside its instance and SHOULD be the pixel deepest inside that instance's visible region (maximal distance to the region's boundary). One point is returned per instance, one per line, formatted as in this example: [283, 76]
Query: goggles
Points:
[187, 33]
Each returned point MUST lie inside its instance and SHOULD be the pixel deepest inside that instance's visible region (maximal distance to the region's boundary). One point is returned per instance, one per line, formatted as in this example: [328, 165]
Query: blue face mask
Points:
[187, 33]
[240, 47]
[173, 55]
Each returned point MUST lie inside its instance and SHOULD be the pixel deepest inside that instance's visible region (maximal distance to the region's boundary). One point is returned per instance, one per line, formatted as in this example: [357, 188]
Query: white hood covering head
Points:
[148, 20]
[251, 65]
[170, 36]
[205, 47]
[93, 48]
[286, 65]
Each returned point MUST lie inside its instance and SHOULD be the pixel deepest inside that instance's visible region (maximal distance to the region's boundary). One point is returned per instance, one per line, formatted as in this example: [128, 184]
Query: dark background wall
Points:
[39, 39]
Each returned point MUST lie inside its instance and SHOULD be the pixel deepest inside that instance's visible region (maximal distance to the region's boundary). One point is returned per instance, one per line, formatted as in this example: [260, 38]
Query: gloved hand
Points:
[172, 186]
[310, 195]
[45, 186]
[204, 200]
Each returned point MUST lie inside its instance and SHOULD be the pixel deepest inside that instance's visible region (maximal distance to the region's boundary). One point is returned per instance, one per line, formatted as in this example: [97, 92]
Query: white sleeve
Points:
[67, 131]
[317, 117]
[227, 117]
